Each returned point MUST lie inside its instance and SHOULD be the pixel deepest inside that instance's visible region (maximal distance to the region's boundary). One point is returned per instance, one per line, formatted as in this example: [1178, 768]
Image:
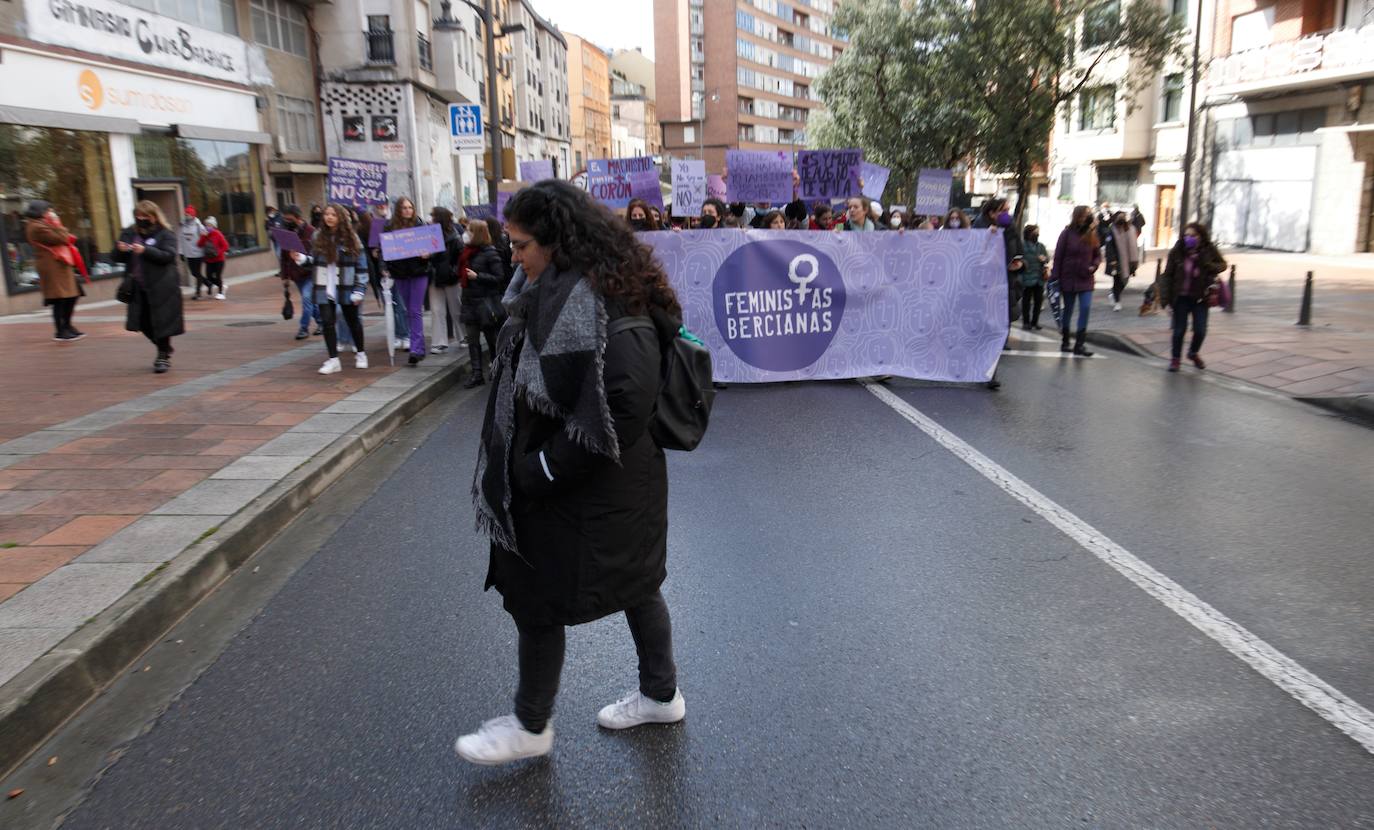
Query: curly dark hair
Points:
[327, 243]
[584, 236]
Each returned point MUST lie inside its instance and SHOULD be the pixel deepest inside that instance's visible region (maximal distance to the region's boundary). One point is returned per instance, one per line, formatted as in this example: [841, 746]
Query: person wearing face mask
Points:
[1033, 278]
[656, 222]
[995, 216]
[955, 220]
[151, 285]
[896, 221]
[637, 215]
[712, 211]
[1076, 257]
[1193, 266]
[293, 221]
[1122, 248]
[57, 262]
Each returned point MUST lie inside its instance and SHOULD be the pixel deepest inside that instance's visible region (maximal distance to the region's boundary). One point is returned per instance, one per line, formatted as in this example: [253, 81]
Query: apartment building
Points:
[633, 97]
[1288, 156]
[739, 73]
[209, 103]
[542, 107]
[589, 93]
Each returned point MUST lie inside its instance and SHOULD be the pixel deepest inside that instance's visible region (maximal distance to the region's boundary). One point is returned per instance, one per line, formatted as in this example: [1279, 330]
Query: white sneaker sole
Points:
[676, 717]
[487, 762]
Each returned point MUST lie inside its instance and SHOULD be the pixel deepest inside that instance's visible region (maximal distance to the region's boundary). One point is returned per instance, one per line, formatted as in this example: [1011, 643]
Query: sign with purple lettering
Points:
[645, 186]
[794, 305]
[758, 176]
[412, 242]
[933, 190]
[608, 180]
[288, 240]
[481, 211]
[875, 178]
[829, 174]
[536, 171]
[358, 184]
[715, 187]
[689, 187]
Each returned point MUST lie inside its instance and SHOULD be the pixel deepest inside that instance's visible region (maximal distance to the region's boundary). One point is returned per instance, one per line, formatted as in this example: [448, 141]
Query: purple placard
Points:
[288, 240]
[715, 187]
[536, 171]
[645, 186]
[502, 197]
[374, 232]
[829, 174]
[797, 305]
[608, 180]
[933, 190]
[759, 176]
[689, 187]
[481, 211]
[875, 178]
[412, 242]
[358, 184]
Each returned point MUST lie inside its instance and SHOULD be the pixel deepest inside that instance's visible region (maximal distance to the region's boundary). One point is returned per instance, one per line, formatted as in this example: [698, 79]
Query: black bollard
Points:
[1231, 287]
[1305, 315]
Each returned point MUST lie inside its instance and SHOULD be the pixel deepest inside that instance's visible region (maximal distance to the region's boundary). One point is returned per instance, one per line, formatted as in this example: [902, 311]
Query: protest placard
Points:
[715, 187]
[758, 176]
[875, 178]
[689, 187]
[412, 242]
[645, 185]
[536, 171]
[288, 240]
[374, 232]
[358, 184]
[829, 174]
[481, 211]
[608, 180]
[933, 190]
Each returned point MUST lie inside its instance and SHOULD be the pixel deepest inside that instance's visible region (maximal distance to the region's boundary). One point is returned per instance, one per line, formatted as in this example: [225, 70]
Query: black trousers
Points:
[214, 276]
[193, 265]
[475, 333]
[329, 320]
[541, 661]
[1032, 299]
[62, 313]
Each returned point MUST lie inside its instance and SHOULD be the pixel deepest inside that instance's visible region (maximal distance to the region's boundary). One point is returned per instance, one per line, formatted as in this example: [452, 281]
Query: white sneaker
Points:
[400, 343]
[219, 296]
[635, 709]
[1116, 306]
[502, 740]
[331, 367]
[360, 360]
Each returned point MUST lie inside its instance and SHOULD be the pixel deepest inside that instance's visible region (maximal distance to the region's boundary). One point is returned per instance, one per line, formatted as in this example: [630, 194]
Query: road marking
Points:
[1313, 692]
[1058, 355]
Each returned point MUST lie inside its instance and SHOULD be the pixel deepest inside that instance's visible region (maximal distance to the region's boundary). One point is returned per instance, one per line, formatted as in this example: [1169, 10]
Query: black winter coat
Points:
[1013, 248]
[491, 281]
[1209, 264]
[596, 537]
[444, 267]
[159, 282]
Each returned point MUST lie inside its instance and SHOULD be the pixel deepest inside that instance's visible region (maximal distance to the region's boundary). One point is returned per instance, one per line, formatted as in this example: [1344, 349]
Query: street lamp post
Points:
[1181, 213]
[484, 13]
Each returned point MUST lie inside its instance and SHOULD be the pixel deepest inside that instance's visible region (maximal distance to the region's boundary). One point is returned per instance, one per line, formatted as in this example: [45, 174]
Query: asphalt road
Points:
[870, 633]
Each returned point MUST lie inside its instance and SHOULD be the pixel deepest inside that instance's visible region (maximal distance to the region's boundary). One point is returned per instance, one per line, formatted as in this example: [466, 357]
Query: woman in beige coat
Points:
[55, 258]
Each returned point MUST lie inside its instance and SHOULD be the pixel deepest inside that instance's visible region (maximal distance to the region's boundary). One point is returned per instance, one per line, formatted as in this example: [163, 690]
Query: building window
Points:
[298, 125]
[1101, 23]
[689, 135]
[1178, 9]
[280, 25]
[215, 15]
[1172, 106]
[1116, 184]
[72, 170]
[285, 187]
[1066, 184]
[1097, 108]
[220, 178]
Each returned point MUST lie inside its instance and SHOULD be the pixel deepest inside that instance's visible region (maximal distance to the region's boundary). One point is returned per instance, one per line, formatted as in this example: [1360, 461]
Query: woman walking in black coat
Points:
[148, 250]
[1194, 265]
[484, 280]
[570, 485]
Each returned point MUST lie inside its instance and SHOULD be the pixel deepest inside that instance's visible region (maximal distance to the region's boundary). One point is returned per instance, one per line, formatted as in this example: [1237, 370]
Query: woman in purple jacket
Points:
[1076, 257]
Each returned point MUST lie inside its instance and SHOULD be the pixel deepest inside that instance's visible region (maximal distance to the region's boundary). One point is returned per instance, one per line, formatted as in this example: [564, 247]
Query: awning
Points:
[67, 121]
[218, 134]
[302, 167]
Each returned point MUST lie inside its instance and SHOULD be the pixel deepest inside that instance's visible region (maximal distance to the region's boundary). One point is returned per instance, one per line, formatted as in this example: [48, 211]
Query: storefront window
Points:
[72, 170]
[219, 177]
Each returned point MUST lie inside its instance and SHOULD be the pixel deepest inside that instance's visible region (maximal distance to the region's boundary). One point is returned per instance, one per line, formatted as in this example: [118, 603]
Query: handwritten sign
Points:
[715, 187]
[358, 184]
[288, 240]
[933, 189]
[689, 187]
[875, 178]
[644, 185]
[829, 174]
[536, 171]
[608, 180]
[759, 176]
[412, 242]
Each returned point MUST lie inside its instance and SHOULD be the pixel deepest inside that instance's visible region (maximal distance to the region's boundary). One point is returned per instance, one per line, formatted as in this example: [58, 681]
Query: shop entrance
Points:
[1164, 216]
[167, 195]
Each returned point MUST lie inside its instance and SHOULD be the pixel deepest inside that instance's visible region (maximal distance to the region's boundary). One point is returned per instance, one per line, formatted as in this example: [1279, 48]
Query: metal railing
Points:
[425, 52]
[381, 46]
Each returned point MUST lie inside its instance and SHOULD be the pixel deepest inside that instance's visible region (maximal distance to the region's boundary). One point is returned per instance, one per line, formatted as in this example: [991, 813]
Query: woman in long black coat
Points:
[484, 279]
[148, 249]
[570, 485]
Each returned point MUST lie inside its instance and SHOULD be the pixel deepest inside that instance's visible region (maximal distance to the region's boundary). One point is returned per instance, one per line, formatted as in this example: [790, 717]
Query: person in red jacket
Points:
[215, 246]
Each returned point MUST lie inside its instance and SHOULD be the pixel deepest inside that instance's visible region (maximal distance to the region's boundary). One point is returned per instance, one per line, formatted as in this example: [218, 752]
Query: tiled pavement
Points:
[107, 471]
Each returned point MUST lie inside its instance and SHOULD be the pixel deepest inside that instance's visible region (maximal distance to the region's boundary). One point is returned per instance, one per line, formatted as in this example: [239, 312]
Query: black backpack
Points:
[683, 407]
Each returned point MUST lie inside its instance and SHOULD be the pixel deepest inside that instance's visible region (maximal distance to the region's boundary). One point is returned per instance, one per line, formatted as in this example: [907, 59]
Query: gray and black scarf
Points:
[551, 353]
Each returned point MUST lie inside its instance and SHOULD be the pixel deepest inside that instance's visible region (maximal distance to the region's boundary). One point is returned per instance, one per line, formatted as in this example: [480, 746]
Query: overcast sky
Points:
[610, 24]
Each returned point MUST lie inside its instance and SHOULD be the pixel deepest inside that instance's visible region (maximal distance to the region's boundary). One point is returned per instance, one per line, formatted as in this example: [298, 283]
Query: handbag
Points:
[491, 313]
[125, 292]
[1218, 295]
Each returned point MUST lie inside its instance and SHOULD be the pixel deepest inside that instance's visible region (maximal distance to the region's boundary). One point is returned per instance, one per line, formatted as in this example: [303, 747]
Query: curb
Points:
[1357, 408]
[1118, 343]
[42, 697]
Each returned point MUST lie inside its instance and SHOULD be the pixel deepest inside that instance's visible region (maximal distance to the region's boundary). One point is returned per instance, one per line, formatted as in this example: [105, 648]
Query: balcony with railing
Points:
[381, 46]
[425, 52]
[1317, 59]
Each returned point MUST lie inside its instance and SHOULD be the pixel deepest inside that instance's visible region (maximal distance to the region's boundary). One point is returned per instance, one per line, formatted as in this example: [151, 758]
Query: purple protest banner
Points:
[479, 211]
[689, 187]
[502, 197]
[758, 176]
[358, 184]
[288, 240]
[933, 190]
[374, 232]
[645, 186]
[715, 187]
[608, 180]
[875, 178]
[412, 242]
[536, 171]
[829, 174]
[795, 305]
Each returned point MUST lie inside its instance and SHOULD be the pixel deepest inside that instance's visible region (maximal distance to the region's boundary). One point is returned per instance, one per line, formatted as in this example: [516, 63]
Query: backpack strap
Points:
[620, 324]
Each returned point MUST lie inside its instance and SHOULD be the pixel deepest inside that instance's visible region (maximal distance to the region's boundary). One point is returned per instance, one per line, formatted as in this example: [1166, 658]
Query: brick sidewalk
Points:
[108, 470]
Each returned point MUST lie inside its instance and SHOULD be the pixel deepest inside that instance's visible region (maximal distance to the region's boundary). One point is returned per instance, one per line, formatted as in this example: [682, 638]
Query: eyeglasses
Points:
[519, 245]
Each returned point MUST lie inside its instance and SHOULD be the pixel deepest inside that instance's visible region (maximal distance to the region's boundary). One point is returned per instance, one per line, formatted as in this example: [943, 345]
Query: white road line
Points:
[1056, 355]
[1313, 692]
